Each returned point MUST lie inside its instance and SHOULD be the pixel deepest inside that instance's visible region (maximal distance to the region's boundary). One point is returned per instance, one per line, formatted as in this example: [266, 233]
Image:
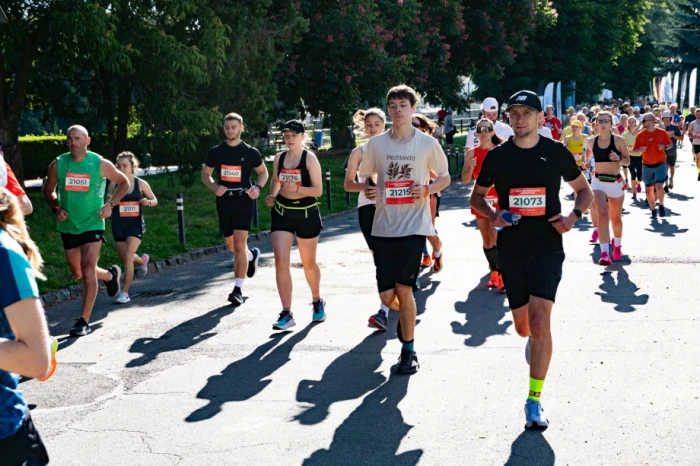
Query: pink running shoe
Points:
[617, 253]
[604, 259]
[594, 237]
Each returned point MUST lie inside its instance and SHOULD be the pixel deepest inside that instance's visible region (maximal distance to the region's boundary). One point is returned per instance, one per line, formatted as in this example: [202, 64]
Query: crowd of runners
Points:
[398, 175]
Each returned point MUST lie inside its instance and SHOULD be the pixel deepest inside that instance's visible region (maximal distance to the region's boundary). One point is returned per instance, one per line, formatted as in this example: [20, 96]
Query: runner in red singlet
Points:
[473, 160]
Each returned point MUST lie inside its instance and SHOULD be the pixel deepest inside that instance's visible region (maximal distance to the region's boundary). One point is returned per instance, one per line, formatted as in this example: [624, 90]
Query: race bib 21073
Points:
[528, 202]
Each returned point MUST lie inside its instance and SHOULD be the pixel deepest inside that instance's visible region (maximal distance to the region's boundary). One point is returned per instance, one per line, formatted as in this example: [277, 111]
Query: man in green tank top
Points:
[75, 189]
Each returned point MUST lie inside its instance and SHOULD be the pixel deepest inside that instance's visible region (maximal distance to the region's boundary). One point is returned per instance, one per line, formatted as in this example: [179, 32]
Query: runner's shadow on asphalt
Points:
[428, 287]
[245, 378]
[679, 197]
[531, 449]
[665, 229]
[622, 293]
[483, 311]
[350, 376]
[183, 336]
[373, 432]
[584, 224]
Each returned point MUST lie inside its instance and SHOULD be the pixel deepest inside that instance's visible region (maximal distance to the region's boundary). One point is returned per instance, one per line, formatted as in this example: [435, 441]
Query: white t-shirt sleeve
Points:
[437, 162]
[471, 135]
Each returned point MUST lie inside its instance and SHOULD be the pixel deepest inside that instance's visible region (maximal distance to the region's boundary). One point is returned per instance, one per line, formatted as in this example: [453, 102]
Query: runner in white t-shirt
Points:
[490, 109]
[368, 123]
[402, 159]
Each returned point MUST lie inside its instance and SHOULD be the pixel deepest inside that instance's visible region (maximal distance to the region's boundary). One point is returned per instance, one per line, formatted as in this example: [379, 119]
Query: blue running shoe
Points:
[534, 418]
[319, 314]
[284, 321]
[379, 320]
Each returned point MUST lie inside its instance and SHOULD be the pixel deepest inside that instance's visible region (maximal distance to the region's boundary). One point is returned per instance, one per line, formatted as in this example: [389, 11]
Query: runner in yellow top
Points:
[635, 168]
[575, 142]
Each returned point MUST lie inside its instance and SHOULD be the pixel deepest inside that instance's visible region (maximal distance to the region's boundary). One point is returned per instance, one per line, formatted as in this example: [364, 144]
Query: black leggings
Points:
[636, 168]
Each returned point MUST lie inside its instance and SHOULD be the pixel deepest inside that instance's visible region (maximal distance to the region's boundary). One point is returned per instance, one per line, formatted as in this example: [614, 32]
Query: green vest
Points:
[81, 192]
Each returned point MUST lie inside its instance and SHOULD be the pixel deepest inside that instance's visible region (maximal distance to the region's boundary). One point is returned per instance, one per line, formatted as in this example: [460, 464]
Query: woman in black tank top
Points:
[296, 184]
[128, 225]
[608, 186]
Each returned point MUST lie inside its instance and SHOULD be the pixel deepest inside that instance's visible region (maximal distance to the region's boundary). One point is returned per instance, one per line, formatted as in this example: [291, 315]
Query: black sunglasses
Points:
[415, 125]
[484, 129]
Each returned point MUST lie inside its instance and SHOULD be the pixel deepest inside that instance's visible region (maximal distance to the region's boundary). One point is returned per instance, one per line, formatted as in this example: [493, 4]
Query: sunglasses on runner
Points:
[484, 129]
[415, 125]
[604, 121]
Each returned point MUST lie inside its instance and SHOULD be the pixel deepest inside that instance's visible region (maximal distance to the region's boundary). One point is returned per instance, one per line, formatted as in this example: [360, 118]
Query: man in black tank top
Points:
[235, 161]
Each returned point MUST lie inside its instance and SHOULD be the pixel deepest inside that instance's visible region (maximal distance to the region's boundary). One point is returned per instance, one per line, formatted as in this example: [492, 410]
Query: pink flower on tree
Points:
[361, 9]
[330, 39]
[400, 2]
[403, 58]
[297, 5]
[348, 78]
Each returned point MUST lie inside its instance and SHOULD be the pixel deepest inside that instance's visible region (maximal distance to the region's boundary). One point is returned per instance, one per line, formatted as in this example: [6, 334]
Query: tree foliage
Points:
[584, 44]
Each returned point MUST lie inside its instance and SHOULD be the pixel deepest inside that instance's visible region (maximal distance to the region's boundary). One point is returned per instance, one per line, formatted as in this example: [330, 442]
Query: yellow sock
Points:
[535, 389]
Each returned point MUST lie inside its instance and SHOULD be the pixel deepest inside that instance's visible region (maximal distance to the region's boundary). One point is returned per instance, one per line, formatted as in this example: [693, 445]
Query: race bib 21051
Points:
[79, 182]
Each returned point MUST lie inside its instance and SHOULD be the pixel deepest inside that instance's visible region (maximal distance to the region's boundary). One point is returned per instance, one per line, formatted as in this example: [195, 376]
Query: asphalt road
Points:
[187, 379]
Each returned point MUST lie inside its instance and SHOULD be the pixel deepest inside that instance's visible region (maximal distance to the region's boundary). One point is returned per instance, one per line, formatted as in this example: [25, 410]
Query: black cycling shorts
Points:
[24, 447]
[119, 239]
[365, 215]
[537, 276]
[235, 213]
[71, 241]
[671, 160]
[397, 260]
[696, 148]
[305, 224]
[636, 168]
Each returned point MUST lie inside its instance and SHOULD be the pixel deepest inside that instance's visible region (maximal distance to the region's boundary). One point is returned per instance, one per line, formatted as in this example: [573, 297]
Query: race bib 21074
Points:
[528, 202]
[398, 192]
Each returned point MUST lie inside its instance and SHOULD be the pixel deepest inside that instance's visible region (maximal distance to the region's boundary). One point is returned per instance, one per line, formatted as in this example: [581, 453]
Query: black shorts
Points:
[305, 224]
[537, 276]
[119, 239]
[449, 138]
[235, 213]
[696, 148]
[636, 168]
[397, 260]
[24, 447]
[71, 241]
[365, 215]
[671, 160]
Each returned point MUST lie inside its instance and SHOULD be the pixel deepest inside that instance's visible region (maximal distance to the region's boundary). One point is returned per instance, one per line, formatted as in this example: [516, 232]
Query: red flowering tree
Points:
[355, 50]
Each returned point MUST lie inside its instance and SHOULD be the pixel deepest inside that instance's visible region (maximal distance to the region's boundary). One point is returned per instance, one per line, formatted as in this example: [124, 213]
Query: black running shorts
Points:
[636, 168]
[537, 276]
[671, 160]
[303, 226]
[397, 260]
[696, 148]
[235, 213]
[71, 241]
[365, 215]
[24, 447]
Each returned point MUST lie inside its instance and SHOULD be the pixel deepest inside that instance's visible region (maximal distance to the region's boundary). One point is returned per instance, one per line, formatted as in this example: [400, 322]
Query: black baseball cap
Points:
[525, 98]
[295, 126]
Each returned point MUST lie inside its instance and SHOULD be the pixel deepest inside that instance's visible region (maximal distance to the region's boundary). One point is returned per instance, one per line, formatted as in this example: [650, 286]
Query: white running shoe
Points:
[122, 298]
[143, 269]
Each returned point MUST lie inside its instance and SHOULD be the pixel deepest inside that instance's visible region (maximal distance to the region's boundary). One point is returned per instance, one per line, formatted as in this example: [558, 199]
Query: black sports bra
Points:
[603, 155]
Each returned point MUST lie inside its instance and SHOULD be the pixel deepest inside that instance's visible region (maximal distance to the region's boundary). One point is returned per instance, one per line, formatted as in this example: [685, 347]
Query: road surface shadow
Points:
[483, 310]
[183, 336]
[584, 224]
[665, 229]
[245, 378]
[348, 377]
[623, 293]
[679, 197]
[531, 449]
[373, 432]
[428, 287]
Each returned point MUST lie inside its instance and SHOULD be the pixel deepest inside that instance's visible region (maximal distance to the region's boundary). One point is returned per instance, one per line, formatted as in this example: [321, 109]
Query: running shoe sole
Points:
[235, 299]
[116, 272]
[253, 265]
[286, 326]
[408, 370]
[83, 332]
[374, 322]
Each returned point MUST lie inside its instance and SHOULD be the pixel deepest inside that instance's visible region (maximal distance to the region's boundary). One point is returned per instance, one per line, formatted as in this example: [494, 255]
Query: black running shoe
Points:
[662, 211]
[113, 285]
[653, 214]
[236, 297]
[408, 362]
[666, 188]
[80, 328]
[253, 265]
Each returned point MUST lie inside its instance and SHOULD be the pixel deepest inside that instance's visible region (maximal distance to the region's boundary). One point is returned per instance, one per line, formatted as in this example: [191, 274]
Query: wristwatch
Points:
[578, 214]
[259, 187]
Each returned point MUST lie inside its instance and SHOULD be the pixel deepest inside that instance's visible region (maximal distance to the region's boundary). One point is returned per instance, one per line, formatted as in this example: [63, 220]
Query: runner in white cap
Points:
[490, 108]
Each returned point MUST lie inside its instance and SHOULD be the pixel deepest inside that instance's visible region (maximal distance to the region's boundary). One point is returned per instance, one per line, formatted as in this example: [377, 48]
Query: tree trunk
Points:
[342, 138]
[122, 119]
[11, 149]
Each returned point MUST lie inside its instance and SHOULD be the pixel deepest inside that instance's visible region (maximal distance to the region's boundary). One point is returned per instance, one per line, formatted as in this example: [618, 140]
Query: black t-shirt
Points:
[676, 131]
[532, 179]
[234, 164]
[689, 118]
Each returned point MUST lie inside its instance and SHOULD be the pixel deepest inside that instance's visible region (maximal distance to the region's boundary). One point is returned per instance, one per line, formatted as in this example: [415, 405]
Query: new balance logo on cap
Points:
[521, 98]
